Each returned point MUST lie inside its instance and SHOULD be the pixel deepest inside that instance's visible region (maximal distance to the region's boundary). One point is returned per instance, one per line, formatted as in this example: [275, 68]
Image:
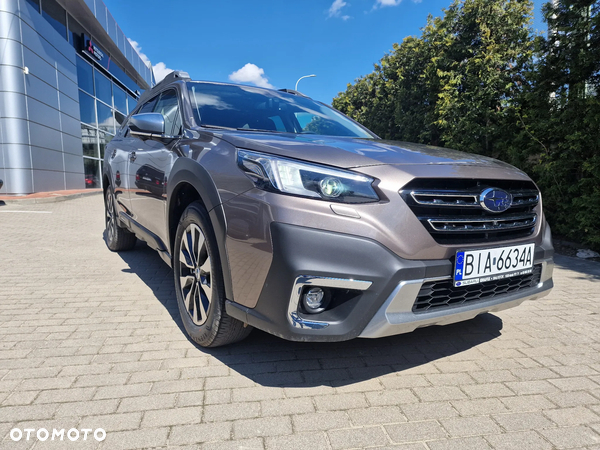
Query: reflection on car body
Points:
[151, 179]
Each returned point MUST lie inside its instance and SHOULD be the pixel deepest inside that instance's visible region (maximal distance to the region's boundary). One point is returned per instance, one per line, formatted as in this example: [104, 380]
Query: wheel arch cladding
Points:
[190, 182]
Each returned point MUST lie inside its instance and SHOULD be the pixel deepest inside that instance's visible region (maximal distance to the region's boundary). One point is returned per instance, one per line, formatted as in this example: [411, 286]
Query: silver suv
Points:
[278, 212]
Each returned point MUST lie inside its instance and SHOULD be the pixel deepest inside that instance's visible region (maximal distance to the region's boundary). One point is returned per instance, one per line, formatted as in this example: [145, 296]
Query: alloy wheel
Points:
[195, 274]
[111, 223]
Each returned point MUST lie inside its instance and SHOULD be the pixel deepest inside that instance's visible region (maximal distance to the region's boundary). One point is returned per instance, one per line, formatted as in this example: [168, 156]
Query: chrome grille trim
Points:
[466, 199]
[470, 224]
[453, 211]
[448, 198]
[529, 197]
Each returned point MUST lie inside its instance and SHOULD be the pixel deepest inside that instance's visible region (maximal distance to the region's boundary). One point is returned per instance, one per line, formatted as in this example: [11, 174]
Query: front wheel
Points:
[199, 282]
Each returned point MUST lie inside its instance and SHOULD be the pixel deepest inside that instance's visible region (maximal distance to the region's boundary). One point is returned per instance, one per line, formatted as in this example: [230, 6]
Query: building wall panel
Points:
[11, 57]
[69, 106]
[17, 156]
[14, 131]
[47, 180]
[75, 180]
[70, 126]
[10, 26]
[44, 159]
[72, 144]
[13, 105]
[42, 136]
[9, 6]
[18, 181]
[73, 163]
[41, 91]
[43, 114]
[68, 87]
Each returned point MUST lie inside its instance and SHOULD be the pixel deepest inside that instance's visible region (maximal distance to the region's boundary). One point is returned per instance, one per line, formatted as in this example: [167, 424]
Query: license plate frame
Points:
[477, 266]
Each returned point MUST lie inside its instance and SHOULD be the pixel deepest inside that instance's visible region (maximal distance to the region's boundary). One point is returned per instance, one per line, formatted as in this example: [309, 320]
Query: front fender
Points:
[188, 171]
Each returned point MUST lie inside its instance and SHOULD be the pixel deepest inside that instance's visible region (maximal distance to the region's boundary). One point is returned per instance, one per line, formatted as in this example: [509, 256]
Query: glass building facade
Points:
[103, 104]
[63, 98]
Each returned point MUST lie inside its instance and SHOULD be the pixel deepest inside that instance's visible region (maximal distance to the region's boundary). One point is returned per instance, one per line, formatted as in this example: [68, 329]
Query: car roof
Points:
[178, 75]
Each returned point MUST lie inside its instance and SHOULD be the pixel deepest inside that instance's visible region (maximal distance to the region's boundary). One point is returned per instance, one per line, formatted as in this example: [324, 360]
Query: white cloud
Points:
[160, 69]
[138, 48]
[335, 10]
[382, 3]
[252, 74]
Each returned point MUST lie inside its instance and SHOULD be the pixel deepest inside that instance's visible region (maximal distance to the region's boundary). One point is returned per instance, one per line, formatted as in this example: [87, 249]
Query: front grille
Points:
[450, 209]
[442, 294]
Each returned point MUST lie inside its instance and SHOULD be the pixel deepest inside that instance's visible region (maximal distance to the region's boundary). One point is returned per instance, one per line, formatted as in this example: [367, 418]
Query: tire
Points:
[199, 282]
[117, 239]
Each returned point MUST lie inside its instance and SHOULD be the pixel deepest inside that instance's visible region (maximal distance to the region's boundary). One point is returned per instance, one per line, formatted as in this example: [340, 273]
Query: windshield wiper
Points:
[258, 129]
[217, 127]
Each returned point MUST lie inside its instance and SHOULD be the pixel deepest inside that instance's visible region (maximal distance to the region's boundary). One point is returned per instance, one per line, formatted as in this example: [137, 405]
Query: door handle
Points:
[132, 156]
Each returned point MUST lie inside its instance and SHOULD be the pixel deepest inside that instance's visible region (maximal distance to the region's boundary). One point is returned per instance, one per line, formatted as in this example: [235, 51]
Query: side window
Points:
[177, 127]
[148, 106]
[168, 106]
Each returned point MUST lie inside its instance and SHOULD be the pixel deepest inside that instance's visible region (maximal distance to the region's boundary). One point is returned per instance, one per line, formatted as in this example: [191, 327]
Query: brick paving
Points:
[92, 339]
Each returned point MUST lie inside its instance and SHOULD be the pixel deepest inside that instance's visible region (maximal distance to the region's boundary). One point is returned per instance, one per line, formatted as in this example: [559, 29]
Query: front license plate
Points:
[479, 266]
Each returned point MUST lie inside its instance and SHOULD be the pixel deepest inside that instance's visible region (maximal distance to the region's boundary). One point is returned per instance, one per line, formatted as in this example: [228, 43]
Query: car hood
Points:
[353, 152]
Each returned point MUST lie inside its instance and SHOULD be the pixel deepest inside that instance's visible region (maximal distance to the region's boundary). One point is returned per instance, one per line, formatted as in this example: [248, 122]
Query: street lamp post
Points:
[305, 76]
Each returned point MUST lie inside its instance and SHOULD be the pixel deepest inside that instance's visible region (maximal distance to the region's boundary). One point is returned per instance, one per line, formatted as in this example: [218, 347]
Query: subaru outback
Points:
[278, 212]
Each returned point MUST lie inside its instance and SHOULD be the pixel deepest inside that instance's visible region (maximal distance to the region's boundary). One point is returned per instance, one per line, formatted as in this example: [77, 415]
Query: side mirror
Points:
[147, 125]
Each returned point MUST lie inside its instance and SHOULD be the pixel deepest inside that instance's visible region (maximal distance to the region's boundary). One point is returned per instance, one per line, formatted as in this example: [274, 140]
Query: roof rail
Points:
[293, 92]
[172, 76]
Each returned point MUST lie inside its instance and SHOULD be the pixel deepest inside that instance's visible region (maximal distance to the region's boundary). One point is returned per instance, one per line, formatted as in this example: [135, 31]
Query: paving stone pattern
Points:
[92, 339]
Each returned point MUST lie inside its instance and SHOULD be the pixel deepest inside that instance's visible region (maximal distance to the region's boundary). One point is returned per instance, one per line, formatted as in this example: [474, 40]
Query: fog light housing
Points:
[331, 187]
[314, 300]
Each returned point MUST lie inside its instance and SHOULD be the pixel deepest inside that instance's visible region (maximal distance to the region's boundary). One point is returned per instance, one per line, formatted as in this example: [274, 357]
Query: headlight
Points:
[288, 176]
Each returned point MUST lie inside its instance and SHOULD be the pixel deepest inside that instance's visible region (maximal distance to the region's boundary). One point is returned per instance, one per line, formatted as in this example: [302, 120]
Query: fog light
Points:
[314, 300]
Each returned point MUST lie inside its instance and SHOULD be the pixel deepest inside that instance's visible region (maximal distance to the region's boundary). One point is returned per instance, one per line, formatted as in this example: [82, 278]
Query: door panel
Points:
[149, 166]
[118, 160]
[149, 171]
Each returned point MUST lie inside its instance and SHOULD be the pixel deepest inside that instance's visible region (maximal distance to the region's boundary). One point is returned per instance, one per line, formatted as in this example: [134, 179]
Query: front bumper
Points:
[386, 287]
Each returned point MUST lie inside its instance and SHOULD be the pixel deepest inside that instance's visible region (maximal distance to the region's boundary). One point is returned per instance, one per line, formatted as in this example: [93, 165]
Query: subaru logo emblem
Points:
[495, 200]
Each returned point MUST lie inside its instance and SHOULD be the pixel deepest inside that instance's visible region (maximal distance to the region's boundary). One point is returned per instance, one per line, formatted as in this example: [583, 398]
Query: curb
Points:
[58, 198]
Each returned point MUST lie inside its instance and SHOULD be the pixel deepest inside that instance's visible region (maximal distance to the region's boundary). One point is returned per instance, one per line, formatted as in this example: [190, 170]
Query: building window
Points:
[105, 138]
[87, 109]
[132, 103]
[76, 33]
[91, 168]
[103, 88]
[35, 4]
[55, 15]
[89, 140]
[85, 76]
[106, 122]
[120, 99]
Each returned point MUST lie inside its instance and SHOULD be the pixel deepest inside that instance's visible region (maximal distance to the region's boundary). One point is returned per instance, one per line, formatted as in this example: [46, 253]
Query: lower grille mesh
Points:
[442, 294]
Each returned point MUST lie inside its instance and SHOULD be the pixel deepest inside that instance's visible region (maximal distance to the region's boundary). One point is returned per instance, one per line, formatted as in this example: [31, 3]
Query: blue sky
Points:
[274, 42]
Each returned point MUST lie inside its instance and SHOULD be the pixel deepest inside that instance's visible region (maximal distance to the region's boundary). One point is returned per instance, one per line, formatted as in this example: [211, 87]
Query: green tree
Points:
[454, 84]
[564, 119]
[479, 80]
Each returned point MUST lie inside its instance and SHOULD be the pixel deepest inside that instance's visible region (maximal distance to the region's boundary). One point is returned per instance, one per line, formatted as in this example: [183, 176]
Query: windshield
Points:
[252, 109]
